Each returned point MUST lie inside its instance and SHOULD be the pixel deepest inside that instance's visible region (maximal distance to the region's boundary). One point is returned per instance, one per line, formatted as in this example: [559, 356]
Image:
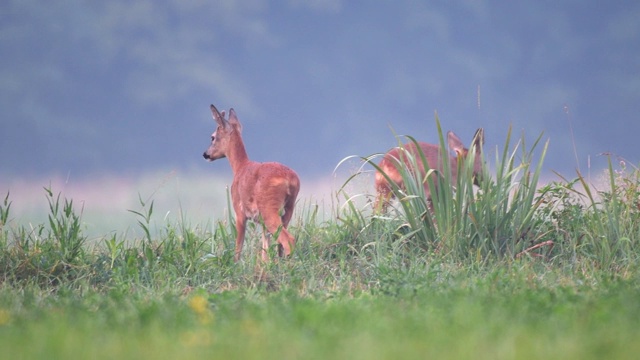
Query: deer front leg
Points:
[265, 245]
[241, 227]
[383, 198]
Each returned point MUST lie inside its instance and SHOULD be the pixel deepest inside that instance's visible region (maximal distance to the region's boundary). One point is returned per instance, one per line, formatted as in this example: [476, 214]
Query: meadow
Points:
[513, 269]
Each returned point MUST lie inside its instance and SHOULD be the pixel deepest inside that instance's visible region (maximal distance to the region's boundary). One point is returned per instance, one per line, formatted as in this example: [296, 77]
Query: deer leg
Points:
[286, 218]
[241, 227]
[286, 242]
[265, 245]
[382, 200]
[274, 225]
[288, 211]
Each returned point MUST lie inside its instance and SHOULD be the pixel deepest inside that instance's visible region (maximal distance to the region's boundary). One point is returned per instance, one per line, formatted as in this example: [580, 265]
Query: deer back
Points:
[407, 157]
[396, 158]
[261, 186]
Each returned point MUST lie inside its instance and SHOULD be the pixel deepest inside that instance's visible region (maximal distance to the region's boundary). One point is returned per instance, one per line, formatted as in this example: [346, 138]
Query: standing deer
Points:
[432, 153]
[259, 191]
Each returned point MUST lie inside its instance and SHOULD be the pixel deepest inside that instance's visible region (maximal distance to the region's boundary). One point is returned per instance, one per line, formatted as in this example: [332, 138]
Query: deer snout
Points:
[478, 178]
[206, 156]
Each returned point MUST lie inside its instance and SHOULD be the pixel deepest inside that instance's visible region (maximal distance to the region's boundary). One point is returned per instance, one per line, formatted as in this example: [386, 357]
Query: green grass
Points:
[511, 270]
[521, 311]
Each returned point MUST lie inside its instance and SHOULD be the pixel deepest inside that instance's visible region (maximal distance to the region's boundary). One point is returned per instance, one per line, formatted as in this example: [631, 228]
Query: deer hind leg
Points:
[290, 203]
[286, 242]
[286, 218]
[274, 224]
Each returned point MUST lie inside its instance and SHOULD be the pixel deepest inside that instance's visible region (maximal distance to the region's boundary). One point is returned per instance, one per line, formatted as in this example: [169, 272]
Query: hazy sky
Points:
[124, 87]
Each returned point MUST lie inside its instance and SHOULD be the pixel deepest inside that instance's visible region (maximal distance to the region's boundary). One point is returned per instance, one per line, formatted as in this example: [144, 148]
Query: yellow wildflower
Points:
[5, 317]
[200, 305]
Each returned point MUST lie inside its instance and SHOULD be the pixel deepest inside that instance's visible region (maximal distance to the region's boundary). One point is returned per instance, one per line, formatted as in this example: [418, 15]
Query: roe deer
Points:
[396, 157]
[260, 191]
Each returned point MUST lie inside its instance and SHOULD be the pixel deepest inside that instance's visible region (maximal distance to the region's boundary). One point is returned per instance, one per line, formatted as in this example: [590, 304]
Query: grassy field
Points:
[513, 270]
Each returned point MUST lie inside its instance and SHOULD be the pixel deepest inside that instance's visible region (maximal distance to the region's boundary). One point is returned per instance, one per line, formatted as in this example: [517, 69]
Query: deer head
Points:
[455, 145]
[220, 138]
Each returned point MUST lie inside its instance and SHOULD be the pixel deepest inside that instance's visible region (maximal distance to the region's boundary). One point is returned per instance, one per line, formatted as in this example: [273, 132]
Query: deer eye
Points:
[213, 138]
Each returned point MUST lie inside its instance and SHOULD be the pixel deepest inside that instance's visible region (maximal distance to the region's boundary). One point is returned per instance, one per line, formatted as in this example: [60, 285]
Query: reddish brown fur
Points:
[259, 191]
[390, 161]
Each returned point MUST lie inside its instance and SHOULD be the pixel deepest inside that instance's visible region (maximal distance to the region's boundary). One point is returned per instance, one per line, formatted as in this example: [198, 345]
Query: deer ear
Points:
[233, 120]
[478, 138]
[455, 143]
[217, 116]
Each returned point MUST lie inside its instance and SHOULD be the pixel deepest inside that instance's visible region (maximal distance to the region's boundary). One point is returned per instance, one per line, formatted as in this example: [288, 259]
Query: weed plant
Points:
[495, 221]
[597, 226]
[509, 269]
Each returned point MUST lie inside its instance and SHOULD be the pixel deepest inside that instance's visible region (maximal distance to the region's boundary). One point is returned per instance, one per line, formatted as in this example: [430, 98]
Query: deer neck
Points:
[237, 154]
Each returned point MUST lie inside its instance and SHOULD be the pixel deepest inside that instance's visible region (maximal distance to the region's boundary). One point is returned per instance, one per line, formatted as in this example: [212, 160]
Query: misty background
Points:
[109, 101]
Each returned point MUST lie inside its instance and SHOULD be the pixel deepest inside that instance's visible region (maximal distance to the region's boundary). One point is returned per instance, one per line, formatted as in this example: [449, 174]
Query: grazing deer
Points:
[392, 159]
[260, 191]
